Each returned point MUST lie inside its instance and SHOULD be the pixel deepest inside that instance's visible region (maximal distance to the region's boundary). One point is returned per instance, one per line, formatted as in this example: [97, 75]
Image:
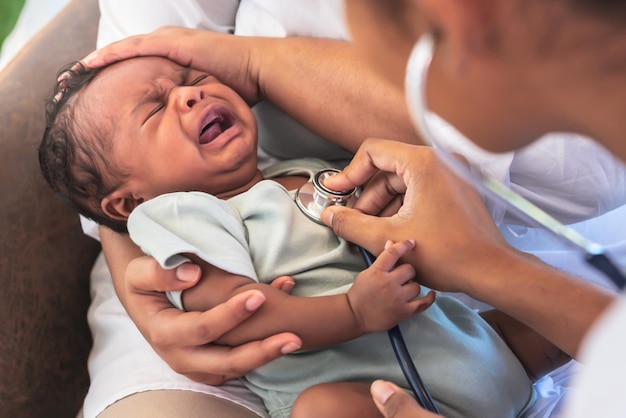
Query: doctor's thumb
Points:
[354, 226]
[394, 402]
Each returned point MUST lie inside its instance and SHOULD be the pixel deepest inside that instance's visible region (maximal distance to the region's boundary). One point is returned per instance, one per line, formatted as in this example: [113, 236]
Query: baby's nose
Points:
[189, 96]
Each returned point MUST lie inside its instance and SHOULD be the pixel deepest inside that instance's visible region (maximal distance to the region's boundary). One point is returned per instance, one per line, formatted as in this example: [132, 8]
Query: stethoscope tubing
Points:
[404, 357]
[604, 264]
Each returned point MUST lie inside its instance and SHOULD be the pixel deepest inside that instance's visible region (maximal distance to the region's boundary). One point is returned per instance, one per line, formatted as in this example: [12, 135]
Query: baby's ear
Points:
[118, 205]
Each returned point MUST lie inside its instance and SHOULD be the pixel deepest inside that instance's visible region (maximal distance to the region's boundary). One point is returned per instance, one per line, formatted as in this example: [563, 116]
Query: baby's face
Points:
[175, 128]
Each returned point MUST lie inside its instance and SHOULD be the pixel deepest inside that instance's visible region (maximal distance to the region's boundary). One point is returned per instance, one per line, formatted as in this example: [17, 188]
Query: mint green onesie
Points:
[261, 234]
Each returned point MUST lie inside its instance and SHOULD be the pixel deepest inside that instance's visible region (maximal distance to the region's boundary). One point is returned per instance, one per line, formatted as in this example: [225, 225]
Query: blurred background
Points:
[9, 11]
[20, 20]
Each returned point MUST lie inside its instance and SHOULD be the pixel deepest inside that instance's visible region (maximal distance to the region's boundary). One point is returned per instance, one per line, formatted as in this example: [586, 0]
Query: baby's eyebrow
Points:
[184, 75]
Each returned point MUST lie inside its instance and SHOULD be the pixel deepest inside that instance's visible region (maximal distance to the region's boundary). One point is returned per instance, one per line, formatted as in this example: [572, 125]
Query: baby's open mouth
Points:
[218, 120]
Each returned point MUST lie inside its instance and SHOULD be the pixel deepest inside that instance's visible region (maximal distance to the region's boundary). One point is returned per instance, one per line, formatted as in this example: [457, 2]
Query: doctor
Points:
[504, 73]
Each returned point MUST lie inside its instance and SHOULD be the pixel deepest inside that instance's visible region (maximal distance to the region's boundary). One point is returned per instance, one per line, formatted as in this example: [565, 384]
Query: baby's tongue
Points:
[210, 133]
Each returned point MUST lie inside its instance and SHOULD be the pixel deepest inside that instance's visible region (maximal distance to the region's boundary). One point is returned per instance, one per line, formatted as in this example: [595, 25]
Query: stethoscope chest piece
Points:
[312, 198]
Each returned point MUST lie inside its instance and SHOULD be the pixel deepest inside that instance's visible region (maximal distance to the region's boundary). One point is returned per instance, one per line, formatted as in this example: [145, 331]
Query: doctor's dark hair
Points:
[75, 145]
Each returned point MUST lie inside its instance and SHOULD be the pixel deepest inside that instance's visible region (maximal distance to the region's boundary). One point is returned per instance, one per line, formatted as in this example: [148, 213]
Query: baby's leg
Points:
[341, 399]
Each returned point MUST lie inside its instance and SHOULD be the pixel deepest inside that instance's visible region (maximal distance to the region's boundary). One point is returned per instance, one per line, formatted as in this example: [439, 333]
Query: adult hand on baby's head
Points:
[183, 339]
[455, 235]
[161, 42]
[229, 58]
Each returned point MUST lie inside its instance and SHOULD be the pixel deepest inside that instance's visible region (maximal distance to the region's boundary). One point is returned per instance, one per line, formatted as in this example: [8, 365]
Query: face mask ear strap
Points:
[415, 84]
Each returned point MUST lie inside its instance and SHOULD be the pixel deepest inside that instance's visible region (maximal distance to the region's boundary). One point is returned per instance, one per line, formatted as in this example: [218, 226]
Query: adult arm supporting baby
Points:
[181, 338]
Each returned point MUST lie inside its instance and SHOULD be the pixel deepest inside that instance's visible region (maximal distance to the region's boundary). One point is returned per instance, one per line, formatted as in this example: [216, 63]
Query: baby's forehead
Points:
[153, 62]
[132, 79]
[144, 68]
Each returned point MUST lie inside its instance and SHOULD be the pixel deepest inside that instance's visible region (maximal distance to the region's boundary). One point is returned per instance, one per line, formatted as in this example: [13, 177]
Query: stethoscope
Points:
[312, 198]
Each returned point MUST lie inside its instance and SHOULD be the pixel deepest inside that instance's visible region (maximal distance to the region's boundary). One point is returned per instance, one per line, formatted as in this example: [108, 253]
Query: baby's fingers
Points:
[408, 289]
[421, 304]
[392, 253]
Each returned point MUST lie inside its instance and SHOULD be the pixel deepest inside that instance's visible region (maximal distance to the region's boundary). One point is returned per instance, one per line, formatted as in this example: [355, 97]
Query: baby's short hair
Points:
[73, 152]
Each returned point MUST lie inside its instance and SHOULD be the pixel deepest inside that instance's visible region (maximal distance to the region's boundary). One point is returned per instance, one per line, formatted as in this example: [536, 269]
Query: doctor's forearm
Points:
[526, 289]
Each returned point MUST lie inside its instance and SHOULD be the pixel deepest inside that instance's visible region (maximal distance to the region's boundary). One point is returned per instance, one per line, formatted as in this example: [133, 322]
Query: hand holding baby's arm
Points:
[381, 297]
[385, 294]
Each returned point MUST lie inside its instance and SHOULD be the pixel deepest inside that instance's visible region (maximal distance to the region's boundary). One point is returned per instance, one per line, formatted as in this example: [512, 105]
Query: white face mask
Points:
[415, 90]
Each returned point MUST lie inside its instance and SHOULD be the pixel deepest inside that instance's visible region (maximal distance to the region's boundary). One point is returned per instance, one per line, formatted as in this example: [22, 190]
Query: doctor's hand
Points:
[394, 402]
[411, 195]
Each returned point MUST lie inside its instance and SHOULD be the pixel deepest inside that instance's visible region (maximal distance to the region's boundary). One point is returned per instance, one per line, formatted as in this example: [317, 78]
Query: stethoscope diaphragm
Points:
[313, 197]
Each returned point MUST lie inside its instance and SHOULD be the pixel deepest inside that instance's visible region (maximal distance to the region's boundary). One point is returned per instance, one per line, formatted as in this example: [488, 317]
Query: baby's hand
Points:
[385, 294]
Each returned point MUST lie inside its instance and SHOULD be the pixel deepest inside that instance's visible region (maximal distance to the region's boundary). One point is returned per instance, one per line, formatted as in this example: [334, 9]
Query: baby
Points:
[169, 154]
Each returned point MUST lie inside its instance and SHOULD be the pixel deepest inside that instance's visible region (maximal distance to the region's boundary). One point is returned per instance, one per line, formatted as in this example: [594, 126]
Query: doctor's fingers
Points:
[382, 196]
[394, 402]
[372, 156]
[367, 231]
[401, 162]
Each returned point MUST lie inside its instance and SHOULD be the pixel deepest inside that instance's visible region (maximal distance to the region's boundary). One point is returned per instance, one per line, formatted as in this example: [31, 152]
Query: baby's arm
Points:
[382, 296]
